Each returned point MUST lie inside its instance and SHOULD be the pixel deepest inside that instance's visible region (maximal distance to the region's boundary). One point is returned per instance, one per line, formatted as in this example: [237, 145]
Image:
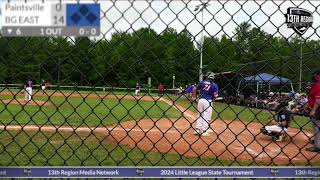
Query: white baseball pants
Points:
[205, 112]
[275, 128]
[28, 94]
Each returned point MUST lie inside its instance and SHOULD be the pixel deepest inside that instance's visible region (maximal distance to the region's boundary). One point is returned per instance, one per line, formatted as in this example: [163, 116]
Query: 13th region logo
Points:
[299, 19]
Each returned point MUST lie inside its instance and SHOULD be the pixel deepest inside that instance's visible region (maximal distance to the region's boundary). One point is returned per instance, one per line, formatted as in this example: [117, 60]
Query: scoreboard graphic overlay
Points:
[37, 18]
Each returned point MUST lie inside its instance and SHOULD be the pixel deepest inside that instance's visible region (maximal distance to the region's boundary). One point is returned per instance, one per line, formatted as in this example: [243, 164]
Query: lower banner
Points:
[160, 172]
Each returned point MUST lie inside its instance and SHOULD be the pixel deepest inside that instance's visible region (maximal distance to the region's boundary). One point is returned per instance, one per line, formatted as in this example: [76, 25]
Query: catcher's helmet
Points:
[210, 75]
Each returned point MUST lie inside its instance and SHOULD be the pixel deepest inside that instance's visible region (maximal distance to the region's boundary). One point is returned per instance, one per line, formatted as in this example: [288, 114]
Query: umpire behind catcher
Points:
[314, 102]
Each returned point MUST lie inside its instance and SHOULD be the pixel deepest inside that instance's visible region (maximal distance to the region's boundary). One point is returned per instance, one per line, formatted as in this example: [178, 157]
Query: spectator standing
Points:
[161, 89]
[314, 102]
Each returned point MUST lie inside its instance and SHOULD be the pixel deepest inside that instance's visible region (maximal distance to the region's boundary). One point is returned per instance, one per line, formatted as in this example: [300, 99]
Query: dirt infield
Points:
[231, 140]
[176, 136]
[22, 102]
[99, 96]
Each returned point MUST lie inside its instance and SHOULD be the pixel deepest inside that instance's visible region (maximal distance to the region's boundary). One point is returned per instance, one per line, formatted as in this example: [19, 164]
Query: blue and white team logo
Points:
[140, 171]
[27, 172]
[274, 172]
[299, 19]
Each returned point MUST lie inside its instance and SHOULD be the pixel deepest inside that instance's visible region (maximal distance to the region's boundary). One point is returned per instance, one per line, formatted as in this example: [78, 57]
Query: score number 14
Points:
[58, 20]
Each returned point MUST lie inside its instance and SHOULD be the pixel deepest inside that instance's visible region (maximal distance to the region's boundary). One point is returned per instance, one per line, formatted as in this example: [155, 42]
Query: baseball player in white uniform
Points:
[43, 85]
[28, 88]
[208, 92]
[137, 91]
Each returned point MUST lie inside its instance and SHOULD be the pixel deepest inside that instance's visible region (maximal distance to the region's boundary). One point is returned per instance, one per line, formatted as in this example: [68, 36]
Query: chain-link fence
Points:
[132, 96]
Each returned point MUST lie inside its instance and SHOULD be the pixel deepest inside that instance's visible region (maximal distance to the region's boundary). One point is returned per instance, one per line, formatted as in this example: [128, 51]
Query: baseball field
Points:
[92, 129]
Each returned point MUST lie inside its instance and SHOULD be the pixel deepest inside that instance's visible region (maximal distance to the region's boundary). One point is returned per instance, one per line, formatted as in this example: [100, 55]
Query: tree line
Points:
[130, 57]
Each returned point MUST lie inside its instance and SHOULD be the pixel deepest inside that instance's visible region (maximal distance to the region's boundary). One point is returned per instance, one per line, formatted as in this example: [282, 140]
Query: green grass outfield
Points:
[77, 111]
[95, 112]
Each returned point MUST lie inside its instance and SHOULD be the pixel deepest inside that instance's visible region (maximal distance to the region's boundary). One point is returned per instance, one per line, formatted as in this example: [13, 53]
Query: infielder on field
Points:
[208, 92]
[43, 86]
[28, 90]
[138, 88]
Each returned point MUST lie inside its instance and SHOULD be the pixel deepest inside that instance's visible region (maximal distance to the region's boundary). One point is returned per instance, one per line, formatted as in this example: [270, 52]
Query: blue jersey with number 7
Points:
[208, 89]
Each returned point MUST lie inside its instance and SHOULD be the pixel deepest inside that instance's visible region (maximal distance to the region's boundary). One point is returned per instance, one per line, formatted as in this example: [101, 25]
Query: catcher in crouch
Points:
[279, 129]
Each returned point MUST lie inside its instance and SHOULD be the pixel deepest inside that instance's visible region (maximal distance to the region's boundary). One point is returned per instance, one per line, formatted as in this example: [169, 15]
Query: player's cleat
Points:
[312, 140]
[281, 138]
[209, 130]
[313, 149]
[197, 132]
[264, 131]
[275, 138]
[205, 134]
